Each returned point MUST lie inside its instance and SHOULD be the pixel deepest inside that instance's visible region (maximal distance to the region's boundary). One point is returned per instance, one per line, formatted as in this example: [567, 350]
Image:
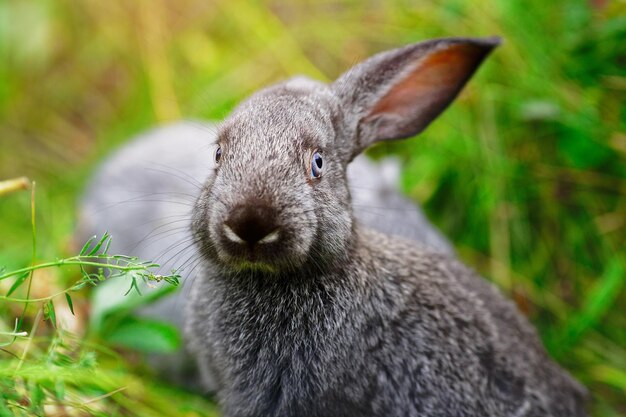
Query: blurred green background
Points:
[526, 172]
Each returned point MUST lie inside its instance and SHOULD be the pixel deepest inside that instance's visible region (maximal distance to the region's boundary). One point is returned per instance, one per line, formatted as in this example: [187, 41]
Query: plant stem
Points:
[34, 254]
[32, 300]
[77, 260]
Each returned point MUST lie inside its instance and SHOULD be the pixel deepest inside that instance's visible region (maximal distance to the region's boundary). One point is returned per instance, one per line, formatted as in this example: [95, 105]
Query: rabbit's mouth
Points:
[254, 266]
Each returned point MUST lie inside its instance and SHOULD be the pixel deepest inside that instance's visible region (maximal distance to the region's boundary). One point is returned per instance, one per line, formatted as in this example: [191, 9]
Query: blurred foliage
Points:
[526, 172]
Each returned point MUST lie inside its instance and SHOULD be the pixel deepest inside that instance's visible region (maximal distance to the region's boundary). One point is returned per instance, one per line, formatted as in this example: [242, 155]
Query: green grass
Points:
[526, 172]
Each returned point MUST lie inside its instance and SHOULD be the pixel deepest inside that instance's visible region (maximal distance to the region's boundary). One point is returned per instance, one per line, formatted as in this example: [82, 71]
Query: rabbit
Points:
[143, 193]
[299, 309]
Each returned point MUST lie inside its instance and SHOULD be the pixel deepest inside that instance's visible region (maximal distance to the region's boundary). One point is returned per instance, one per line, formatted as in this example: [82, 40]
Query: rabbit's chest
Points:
[274, 342]
[280, 357]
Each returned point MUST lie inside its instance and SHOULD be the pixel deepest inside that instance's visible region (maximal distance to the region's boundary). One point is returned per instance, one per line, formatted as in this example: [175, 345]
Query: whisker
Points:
[158, 219]
[151, 240]
[185, 241]
[178, 173]
[167, 250]
[137, 200]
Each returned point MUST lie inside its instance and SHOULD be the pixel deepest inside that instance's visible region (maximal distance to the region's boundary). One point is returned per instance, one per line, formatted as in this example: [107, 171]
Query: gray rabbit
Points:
[143, 195]
[300, 310]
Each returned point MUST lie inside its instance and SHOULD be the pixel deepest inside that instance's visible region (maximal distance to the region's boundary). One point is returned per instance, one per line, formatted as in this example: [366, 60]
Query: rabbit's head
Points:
[278, 197]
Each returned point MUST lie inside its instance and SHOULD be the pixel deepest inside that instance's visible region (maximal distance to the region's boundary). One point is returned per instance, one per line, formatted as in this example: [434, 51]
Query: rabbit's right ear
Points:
[397, 93]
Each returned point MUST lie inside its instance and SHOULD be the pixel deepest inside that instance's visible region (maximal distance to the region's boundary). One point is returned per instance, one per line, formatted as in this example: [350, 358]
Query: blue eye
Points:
[218, 154]
[316, 165]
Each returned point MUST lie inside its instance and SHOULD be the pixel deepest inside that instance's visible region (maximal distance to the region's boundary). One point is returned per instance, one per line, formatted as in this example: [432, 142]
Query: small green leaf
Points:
[19, 281]
[133, 284]
[108, 244]
[173, 279]
[87, 245]
[94, 251]
[49, 313]
[69, 303]
[145, 335]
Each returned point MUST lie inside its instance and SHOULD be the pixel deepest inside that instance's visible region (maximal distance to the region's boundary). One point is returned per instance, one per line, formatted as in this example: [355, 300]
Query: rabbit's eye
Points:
[316, 165]
[218, 154]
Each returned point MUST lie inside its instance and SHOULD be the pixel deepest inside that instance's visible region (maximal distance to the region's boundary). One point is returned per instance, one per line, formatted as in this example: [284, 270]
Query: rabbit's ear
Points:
[397, 93]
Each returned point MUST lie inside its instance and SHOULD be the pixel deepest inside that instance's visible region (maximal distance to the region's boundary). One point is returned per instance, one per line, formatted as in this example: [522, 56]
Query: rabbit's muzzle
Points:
[252, 225]
[252, 236]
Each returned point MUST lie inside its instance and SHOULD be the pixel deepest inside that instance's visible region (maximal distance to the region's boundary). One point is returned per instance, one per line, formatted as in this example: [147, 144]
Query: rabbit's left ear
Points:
[397, 93]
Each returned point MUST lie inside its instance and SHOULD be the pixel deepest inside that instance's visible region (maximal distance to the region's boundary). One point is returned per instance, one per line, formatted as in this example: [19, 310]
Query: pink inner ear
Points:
[414, 101]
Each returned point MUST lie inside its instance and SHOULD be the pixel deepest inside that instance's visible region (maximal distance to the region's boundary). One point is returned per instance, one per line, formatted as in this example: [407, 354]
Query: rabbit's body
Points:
[374, 336]
[300, 311]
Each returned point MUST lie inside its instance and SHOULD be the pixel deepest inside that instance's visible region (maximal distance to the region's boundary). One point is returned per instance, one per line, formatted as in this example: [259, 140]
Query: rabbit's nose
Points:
[252, 224]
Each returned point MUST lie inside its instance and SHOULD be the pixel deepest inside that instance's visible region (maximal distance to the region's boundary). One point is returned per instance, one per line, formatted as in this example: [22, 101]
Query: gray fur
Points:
[143, 195]
[335, 319]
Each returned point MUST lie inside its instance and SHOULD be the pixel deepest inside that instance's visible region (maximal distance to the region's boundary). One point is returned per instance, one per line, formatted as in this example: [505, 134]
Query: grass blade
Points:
[598, 302]
[19, 281]
[69, 303]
